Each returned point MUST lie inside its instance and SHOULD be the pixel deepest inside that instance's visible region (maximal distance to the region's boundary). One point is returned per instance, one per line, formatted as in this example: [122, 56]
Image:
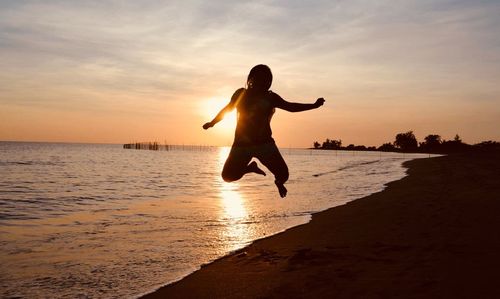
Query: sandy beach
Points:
[433, 234]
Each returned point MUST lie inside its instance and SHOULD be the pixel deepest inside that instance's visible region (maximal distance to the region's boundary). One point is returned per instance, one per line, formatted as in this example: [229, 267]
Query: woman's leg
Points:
[270, 156]
[236, 164]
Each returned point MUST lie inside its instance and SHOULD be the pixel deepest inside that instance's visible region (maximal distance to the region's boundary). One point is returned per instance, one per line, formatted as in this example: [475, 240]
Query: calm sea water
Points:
[98, 221]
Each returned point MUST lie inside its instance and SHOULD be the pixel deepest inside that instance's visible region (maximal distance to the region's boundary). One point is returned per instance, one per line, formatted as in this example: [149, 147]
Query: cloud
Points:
[110, 54]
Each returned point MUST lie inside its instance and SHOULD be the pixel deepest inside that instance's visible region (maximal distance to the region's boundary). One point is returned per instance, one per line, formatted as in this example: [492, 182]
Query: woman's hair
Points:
[260, 78]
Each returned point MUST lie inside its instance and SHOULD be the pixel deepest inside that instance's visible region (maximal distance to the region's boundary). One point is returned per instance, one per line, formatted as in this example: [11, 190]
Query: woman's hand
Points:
[208, 125]
[319, 102]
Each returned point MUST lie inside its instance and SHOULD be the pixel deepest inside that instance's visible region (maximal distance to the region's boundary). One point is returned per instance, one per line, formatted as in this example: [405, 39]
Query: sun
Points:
[209, 109]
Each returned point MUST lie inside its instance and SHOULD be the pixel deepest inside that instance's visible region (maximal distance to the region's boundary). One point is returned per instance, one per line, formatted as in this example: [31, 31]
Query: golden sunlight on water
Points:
[87, 235]
[234, 211]
[233, 202]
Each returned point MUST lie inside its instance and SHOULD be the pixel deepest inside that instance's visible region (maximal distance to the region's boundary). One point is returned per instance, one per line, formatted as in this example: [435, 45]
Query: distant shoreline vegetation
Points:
[407, 143]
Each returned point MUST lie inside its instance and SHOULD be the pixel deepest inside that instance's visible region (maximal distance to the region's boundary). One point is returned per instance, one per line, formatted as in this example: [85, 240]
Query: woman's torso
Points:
[255, 111]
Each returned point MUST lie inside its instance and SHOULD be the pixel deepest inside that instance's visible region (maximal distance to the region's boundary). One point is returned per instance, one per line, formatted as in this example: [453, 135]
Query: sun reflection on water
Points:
[234, 211]
[232, 202]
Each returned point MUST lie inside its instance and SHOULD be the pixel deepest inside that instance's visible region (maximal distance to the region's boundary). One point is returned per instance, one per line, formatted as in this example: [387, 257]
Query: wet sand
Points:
[433, 234]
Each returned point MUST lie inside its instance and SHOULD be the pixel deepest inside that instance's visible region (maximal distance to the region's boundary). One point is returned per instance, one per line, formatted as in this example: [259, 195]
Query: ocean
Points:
[100, 221]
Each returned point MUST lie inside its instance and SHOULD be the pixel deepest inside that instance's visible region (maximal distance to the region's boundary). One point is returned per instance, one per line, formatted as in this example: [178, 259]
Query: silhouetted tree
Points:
[332, 144]
[431, 143]
[455, 145]
[326, 144]
[406, 141]
[433, 139]
[387, 147]
[487, 145]
[360, 148]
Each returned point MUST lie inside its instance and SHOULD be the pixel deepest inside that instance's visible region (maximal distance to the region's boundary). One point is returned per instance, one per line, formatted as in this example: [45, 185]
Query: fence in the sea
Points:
[156, 146]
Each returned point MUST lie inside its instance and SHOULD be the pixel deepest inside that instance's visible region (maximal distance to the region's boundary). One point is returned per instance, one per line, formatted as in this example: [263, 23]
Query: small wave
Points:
[29, 163]
[18, 216]
[324, 173]
[345, 167]
[13, 191]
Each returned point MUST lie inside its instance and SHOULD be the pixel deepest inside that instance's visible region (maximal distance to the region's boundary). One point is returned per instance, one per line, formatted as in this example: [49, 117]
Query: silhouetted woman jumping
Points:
[255, 106]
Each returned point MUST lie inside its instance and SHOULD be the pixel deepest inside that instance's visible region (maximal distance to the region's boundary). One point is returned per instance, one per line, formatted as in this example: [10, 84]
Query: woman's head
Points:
[260, 78]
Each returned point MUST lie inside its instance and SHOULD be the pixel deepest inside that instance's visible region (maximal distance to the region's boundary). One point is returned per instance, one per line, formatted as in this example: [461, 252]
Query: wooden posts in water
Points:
[155, 146]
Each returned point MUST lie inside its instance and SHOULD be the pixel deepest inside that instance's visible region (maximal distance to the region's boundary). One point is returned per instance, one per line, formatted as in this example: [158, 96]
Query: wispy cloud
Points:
[403, 55]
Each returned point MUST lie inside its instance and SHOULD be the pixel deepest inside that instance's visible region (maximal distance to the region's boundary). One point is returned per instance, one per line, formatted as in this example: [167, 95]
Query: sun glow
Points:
[209, 109]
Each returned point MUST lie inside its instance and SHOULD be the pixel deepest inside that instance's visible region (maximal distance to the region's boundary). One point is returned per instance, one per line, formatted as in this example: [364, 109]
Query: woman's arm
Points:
[298, 107]
[228, 108]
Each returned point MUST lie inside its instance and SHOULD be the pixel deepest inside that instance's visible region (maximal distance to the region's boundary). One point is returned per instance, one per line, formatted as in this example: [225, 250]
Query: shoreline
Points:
[430, 234]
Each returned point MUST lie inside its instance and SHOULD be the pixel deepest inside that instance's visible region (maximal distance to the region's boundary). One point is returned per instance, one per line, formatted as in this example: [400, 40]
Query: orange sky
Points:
[81, 71]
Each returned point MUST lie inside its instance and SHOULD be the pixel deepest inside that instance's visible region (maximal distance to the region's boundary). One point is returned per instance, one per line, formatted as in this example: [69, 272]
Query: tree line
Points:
[407, 142]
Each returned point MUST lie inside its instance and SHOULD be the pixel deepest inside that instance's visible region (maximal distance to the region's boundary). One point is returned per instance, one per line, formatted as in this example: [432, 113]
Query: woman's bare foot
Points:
[252, 167]
[281, 189]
